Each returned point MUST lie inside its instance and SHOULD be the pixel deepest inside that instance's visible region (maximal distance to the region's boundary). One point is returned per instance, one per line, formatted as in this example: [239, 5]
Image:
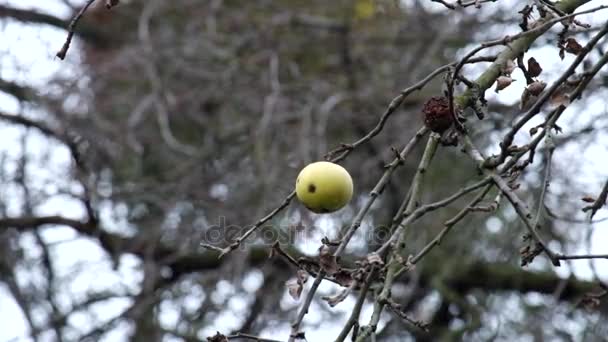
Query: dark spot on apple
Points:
[312, 188]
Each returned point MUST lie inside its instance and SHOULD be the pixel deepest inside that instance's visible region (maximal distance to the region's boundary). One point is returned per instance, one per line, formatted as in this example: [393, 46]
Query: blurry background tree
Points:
[176, 123]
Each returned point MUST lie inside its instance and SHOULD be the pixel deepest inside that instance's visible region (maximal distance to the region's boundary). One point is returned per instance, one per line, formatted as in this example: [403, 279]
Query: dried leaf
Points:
[328, 261]
[374, 259]
[590, 303]
[559, 98]
[573, 47]
[530, 94]
[537, 87]
[337, 298]
[302, 276]
[527, 99]
[273, 250]
[217, 338]
[534, 68]
[528, 253]
[588, 199]
[525, 16]
[294, 287]
[502, 82]
[592, 300]
[343, 277]
[508, 68]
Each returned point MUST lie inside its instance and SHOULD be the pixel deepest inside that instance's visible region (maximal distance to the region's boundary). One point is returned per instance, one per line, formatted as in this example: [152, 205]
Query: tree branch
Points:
[87, 32]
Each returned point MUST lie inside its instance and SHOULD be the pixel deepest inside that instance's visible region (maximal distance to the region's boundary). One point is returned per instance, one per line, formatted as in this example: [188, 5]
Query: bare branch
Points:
[599, 202]
[71, 28]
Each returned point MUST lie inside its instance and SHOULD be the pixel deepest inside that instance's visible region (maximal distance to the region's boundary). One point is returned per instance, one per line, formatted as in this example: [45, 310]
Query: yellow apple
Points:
[324, 187]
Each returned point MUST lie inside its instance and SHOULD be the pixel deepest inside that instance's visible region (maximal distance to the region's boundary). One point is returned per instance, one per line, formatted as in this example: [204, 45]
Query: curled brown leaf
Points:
[572, 46]
[534, 68]
[502, 82]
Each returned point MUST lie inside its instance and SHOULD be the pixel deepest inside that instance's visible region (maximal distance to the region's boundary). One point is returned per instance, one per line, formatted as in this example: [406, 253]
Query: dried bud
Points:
[588, 199]
[218, 337]
[533, 130]
[437, 116]
[534, 68]
[502, 82]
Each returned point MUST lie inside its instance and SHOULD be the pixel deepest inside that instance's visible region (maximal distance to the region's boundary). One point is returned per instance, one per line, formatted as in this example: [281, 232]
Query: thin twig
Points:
[422, 210]
[518, 44]
[64, 49]
[356, 311]
[257, 225]
[396, 308]
[599, 202]
[450, 223]
[243, 336]
[508, 139]
[295, 327]
[346, 149]
[584, 256]
[395, 260]
[519, 205]
[547, 178]
[447, 5]
[350, 231]
[377, 190]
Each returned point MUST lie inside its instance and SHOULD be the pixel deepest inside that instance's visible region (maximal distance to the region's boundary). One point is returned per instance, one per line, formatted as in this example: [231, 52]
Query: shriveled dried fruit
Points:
[437, 116]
